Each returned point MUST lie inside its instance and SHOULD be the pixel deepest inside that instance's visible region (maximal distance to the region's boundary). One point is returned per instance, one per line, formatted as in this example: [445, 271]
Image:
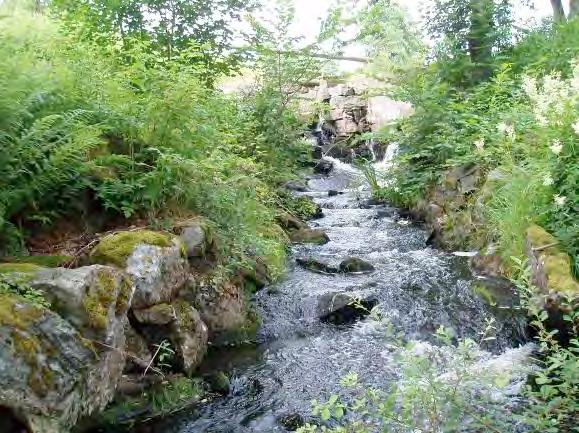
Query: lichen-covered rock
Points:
[551, 272]
[309, 236]
[50, 375]
[137, 349]
[225, 310]
[155, 261]
[189, 336]
[94, 299]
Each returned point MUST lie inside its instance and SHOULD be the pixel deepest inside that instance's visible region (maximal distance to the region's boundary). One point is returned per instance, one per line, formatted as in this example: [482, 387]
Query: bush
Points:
[135, 137]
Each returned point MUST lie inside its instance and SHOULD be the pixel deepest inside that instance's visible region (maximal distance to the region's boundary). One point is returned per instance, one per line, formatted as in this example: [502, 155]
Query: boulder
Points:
[51, 375]
[218, 382]
[155, 261]
[224, 308]
[342, 308]
[295, 185]
[309, 236]
[551, 273]
[315, 265]
[94, 299]
[355, 265]
[324, 167]
[289, 223]
[193, 235]
[179, 323]
[189, 336]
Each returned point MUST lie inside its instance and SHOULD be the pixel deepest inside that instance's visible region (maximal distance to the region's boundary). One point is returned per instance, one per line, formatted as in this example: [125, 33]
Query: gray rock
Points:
[194, 238]
[189, 336]
[137, 349]
[289, 223]
[94, 299]
[295, 185]
[225, 310]
[160, 314]
[324, 166]
[309, 236]
[315, 265]
[342, 308]
[354, 265]
[158, 273]
[51, 375]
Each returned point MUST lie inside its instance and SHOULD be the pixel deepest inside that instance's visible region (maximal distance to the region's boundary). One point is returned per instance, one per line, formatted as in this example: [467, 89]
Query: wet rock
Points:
[324, 167]
[51, 375]
[309, 236]
[315, 265]
[341, 308]
[289, 222]
[333, 193]
[291, 421]
[295, 185]
[354, 265]
[218, 383]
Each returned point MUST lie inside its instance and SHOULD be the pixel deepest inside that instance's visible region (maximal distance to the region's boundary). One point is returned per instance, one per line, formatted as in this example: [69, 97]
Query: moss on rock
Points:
[52, 261]
[97, 303]
[555, 263]
[116, 248]
[19, 268]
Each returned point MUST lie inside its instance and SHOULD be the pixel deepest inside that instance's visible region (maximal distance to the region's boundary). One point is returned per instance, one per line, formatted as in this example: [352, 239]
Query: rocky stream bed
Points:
[311, 336]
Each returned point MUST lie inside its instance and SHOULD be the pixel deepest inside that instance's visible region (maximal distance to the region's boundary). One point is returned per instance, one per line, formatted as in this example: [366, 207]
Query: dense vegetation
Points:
[110, 130]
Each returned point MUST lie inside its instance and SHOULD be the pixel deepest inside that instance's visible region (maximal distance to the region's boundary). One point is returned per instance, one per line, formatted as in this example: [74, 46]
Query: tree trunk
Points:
[558, 11]
[480, 37]
[574, 9]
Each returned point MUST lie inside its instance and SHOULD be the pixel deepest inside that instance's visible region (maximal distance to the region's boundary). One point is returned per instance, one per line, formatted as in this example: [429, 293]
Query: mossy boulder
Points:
[155, 261]
[116, 248]
[551, 273]
[550, 265]
[290, 223]
[309, 236]
[94, 299]
[51, 376]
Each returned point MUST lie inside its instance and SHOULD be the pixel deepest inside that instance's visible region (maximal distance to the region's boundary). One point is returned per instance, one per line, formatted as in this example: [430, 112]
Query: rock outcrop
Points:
[66, 334]
[59, 366]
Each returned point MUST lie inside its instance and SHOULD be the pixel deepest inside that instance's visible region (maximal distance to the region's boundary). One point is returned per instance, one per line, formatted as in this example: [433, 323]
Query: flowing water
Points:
[300, 358]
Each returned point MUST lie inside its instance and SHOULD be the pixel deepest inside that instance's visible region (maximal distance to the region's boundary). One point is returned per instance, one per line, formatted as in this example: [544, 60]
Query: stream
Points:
[300, 357]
